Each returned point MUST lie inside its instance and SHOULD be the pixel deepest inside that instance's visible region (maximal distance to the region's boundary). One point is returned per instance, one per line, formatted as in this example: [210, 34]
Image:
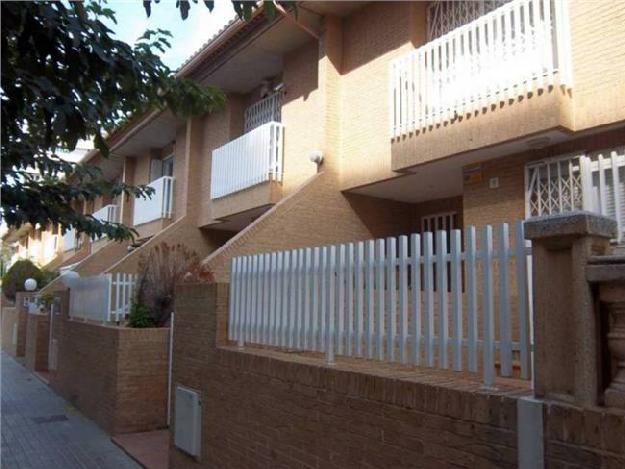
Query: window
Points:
[160, 168]
[589, 181]
[168, 166]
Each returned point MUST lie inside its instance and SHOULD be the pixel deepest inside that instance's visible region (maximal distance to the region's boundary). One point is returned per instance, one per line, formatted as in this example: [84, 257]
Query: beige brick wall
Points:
[372, 37]
[317, 214]
[507, 203]
[271, 410]
[10, 323]
[598, 55]
[300, 114]
[116, 376]
[37, 341]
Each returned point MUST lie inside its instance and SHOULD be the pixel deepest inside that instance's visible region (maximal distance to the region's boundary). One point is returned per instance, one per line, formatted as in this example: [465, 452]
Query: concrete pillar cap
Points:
[571, 224]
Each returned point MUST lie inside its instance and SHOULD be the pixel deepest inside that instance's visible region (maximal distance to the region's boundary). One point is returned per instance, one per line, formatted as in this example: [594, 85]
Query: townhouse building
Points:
[352, 120]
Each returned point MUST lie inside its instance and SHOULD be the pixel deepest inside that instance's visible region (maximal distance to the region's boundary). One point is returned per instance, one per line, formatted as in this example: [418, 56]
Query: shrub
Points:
[159, 271]
[140, 316]
[13, 280]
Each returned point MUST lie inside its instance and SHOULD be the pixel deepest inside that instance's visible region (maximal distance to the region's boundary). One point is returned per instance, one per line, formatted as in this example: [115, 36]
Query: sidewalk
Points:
[41, 430]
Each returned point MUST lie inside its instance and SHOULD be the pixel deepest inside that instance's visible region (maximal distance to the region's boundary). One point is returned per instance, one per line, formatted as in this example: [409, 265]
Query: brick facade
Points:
[264, 408]
[116, 376]
[37, 341]
[9, 329]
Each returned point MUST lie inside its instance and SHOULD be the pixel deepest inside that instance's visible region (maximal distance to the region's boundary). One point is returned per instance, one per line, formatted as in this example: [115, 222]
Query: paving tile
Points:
[40, 430]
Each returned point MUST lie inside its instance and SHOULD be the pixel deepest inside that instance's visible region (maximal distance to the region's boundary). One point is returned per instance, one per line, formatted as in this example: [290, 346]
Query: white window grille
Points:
[261, 112]
[445, 16]
[589, 181]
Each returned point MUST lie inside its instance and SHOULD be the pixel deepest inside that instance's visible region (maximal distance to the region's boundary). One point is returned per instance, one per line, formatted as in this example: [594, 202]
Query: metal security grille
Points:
[594, 182]
[554, 186]
[445, 16]
[264, 111]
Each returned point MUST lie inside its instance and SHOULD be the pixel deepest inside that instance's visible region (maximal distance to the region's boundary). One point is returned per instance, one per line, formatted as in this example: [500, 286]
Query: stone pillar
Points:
[566, 328]
[608, 273]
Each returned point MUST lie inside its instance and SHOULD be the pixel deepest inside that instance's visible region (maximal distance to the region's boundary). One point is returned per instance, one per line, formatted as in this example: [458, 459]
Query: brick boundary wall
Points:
[11, 315]
[37, 342]
[264, 408]
[116, 376]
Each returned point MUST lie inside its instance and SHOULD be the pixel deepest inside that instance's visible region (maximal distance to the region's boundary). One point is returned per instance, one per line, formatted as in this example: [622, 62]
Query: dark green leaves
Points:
[66, 78]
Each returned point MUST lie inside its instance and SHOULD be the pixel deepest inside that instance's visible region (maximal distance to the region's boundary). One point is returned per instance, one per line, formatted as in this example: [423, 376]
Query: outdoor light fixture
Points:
[316, 156]
[30, 284]
[279, 87]
[68, 277]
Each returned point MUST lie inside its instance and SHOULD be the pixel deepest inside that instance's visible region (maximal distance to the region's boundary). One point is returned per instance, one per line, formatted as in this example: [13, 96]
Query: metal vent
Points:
[188, 421]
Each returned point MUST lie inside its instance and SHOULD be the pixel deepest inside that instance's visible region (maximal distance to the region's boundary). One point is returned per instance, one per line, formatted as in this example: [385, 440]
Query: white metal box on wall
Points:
[188, 421]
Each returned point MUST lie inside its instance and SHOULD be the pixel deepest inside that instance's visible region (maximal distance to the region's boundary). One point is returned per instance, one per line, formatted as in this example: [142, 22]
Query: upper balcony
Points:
[244, 172]
[159, 205]
[508, 70]
[108, 213]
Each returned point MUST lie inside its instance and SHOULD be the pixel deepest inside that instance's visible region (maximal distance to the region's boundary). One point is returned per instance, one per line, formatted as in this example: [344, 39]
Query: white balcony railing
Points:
[253, 158]
[50, 248]
[517, 49]
[69, 240]
[159, 205]
[108, 213]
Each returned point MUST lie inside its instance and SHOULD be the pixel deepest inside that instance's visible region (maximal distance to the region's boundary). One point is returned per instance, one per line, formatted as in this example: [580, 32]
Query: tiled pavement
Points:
[41, 430]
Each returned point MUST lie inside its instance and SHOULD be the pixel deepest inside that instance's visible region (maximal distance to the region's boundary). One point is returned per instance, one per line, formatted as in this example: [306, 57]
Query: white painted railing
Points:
[104, 297]
[108, 213]
[159, 205]
[514, 50]
[50, 248]
[589, 181]
[407, 300]
[264, 111]
[253, 158]
[69, 240]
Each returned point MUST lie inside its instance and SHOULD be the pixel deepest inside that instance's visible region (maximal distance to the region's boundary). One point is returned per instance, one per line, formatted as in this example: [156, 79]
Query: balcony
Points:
[50, 248]
[159, 205]
[70, 240]
[499, 61]
[109, 214]
[251, 159]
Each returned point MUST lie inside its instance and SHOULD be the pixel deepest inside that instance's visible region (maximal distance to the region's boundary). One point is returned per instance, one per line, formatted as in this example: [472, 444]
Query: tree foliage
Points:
[14, 278]
[64, 78]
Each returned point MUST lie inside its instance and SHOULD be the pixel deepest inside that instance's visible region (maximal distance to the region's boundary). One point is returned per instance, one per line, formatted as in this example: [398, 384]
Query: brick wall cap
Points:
[573, 224]
[612, 269]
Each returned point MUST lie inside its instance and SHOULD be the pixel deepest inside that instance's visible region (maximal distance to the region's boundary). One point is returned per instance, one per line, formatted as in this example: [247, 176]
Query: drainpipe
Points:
[169, 367]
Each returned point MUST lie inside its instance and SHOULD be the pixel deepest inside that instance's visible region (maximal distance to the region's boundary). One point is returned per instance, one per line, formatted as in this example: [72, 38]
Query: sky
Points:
[188, 35]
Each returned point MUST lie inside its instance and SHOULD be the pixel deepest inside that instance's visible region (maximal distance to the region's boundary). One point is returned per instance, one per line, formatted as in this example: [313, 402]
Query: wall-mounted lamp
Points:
[279, 87]
[316, 156]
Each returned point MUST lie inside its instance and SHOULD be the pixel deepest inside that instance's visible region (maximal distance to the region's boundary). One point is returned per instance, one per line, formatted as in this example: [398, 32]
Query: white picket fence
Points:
[406, 299]
[253, 158]
[514, 50]
[104, 297]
